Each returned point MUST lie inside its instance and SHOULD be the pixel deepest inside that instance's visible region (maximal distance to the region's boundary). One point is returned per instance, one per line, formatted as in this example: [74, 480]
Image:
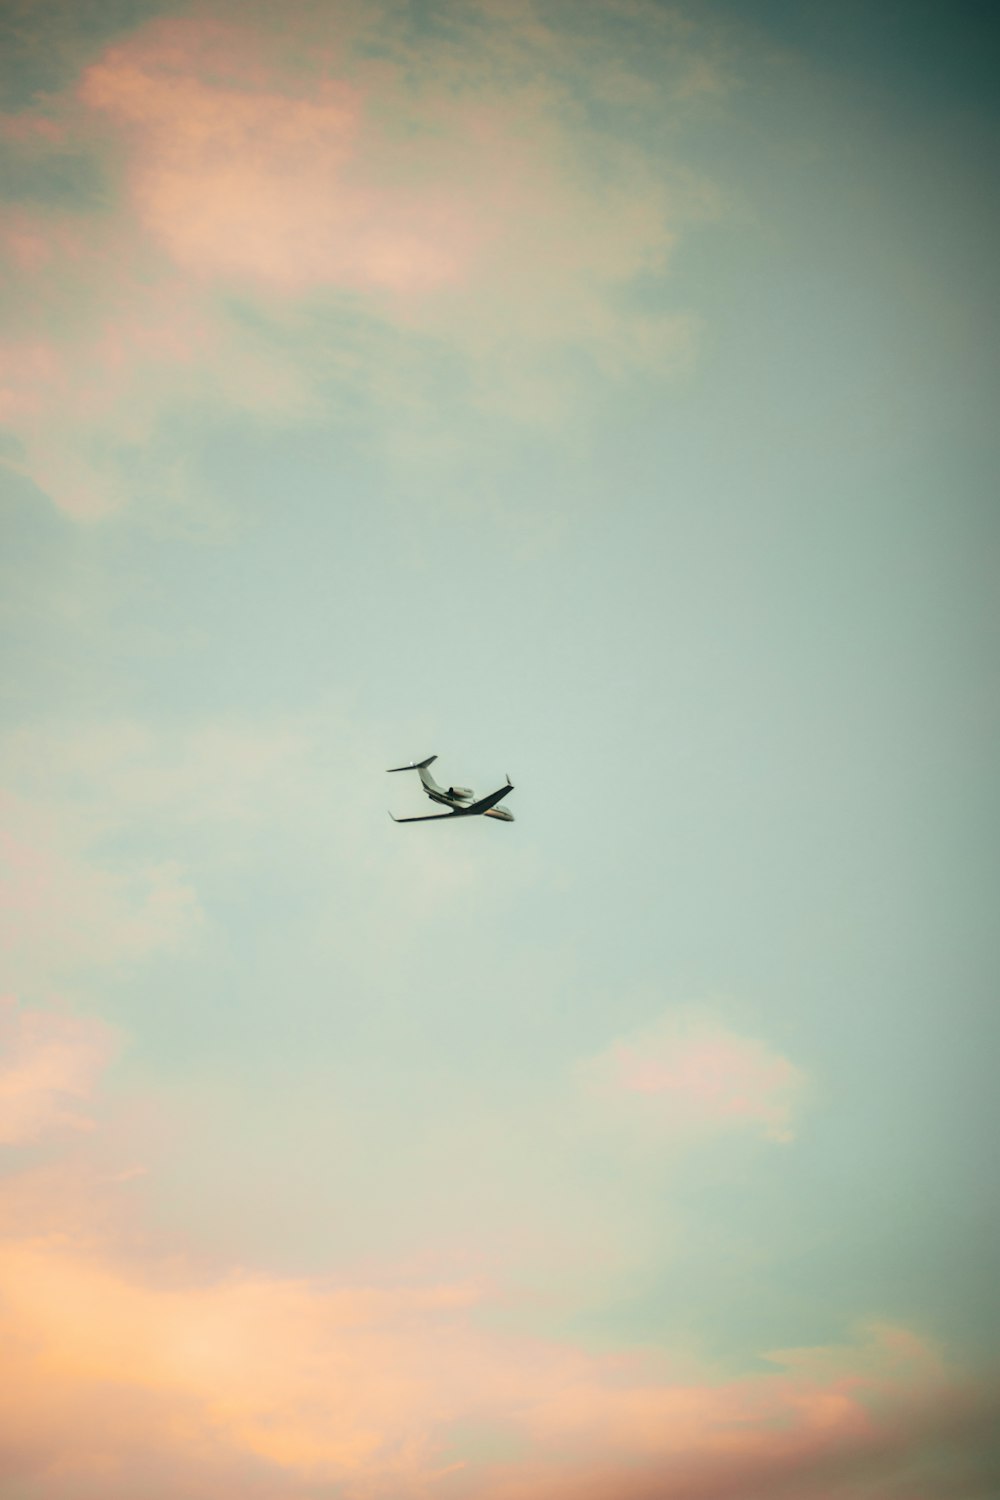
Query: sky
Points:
[596, 391]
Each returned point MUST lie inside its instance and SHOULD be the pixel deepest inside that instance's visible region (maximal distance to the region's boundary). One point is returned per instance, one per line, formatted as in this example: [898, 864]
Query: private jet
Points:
[460, 799]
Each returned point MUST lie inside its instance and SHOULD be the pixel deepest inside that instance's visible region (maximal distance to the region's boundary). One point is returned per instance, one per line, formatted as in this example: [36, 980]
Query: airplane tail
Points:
[415, 765]
[425, 775]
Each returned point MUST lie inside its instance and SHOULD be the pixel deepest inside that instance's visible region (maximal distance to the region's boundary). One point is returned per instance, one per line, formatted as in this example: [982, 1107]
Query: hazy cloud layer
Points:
[283, 212]
[129, 1368]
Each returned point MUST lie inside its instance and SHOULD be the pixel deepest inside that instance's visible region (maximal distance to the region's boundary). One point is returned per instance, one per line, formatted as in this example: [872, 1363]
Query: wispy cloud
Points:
[49, 1063]
[244, 170]
[107, 345]
[689, 1072]
[381, 212]
[113, 831]
[67, 909]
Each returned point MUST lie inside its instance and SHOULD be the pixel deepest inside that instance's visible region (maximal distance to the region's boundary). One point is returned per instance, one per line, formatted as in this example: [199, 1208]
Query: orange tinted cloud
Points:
[315, 1380]
[130, 1372]
[248, 169]
[231, 176]
[130, 1369]
[49, 1062]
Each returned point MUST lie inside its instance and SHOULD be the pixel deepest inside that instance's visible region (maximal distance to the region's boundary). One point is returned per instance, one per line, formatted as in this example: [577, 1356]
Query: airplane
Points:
[461, 799]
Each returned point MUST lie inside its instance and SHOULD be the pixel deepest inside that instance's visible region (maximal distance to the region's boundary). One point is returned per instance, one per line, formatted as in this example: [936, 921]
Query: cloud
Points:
[132, 1365]
[138, 1370]
[120, 770]
[317, 1381]
[48, 1062]
[480, 214]
[105, 347]
[335, 213]
[66, 910]
[687, 1072]
[243, 171]
[124, 841]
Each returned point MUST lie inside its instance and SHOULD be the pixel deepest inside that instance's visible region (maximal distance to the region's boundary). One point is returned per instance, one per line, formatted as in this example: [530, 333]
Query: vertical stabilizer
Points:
[425, 775]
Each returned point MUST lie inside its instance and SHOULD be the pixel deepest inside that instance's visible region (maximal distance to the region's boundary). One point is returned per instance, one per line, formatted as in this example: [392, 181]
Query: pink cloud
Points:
[444, 194]
[262, 172]
[232, 178]
[695, 1073]
[49, 1061]
[35, 130]
[130, 1370]
[104, 339]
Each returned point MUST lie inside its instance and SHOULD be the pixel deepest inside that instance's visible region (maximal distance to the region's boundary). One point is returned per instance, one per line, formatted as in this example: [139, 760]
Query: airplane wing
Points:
[486, 802]
[483, 805]
[431, 817]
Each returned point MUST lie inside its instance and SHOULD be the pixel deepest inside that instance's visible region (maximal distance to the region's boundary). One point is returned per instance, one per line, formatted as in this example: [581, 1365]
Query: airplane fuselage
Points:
[454, 796]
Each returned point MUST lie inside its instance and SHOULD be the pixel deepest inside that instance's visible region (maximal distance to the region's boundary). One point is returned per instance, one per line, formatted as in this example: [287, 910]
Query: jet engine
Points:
[461, 793]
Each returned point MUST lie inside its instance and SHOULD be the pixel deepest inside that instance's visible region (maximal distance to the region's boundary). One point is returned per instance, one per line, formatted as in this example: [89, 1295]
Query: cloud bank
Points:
[141, 1375]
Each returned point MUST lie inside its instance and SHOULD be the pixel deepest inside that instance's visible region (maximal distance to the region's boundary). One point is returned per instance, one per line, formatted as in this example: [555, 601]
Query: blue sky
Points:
[600, 394]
